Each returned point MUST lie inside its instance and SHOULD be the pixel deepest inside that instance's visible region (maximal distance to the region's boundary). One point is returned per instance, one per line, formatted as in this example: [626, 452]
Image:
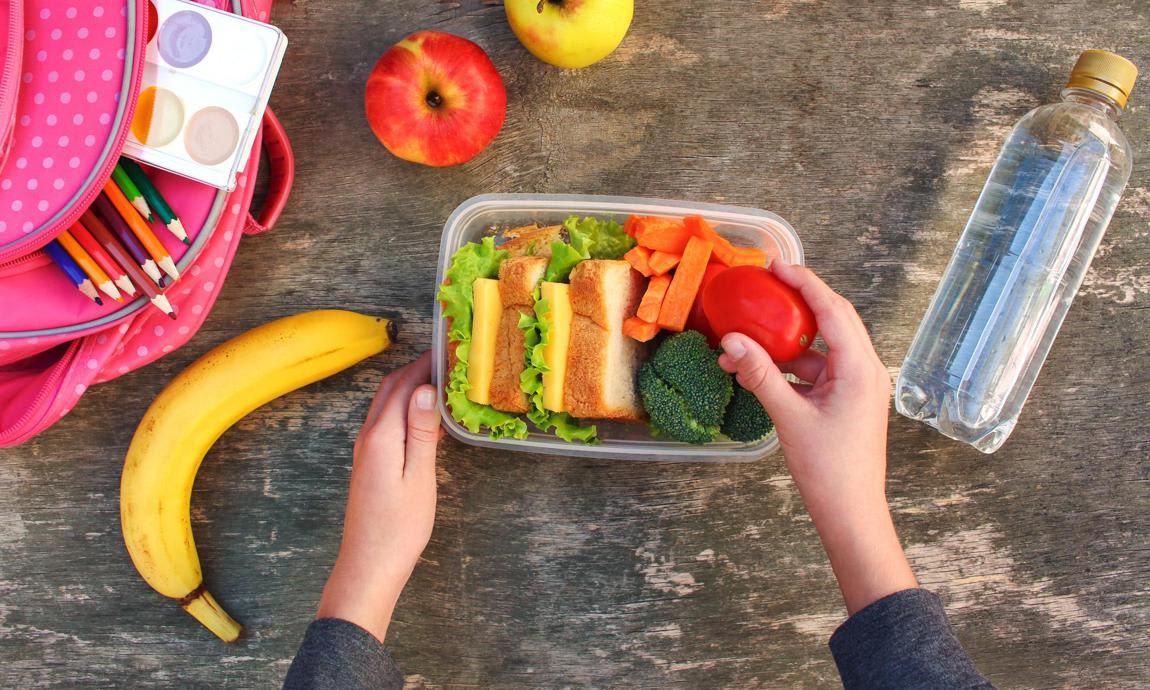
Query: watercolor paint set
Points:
[207, 78]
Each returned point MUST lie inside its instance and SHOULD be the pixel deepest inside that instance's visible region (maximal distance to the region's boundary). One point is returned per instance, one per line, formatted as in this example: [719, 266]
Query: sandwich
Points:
[536, 331]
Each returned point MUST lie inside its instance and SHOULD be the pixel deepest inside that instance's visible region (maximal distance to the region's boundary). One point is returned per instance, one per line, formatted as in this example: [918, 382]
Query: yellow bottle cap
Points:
[1107, 73]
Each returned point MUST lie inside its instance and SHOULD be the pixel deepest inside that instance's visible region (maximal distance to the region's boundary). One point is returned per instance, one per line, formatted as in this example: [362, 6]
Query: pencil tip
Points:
[187, 241]
[172, 315]
[99, 301]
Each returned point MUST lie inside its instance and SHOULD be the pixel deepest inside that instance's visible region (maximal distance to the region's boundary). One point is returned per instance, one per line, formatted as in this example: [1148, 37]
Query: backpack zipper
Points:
[10, 77]
[130, 306]
[20, 260]
[48, 388]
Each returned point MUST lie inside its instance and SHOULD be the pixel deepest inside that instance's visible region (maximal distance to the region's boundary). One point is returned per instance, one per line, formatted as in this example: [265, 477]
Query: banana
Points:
[199, 405]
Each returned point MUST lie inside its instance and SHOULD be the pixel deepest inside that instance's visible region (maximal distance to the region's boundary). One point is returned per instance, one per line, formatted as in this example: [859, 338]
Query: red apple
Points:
[435, 98]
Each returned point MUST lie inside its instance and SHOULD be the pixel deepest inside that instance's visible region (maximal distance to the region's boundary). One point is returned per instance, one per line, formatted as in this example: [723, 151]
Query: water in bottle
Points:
[1021, 259]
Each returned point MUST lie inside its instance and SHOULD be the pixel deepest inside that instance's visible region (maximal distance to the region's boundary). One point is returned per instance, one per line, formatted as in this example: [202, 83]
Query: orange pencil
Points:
[104, 261]
[97, 274]
[104, 236]
[141, 230]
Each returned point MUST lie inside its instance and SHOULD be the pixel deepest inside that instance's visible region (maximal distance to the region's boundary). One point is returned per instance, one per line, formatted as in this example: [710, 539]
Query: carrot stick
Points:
[640, 330]
[653, 298]
[699, 227]
[747, 256]
[661, 234]
[638, 258]
[685, 285]
[661, 263]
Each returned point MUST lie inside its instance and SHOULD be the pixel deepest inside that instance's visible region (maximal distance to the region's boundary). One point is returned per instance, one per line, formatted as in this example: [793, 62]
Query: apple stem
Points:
[542, 3]
[434, 99]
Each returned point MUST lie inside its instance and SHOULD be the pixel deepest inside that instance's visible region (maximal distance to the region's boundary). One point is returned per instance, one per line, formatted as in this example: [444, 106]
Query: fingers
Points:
[381, 395]
[807, 366]
[388, 416]
[393, 414]
[755, 371]
[423, 432]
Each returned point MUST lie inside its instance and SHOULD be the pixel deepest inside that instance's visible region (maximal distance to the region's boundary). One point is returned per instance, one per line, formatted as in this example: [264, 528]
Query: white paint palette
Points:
[207, 78]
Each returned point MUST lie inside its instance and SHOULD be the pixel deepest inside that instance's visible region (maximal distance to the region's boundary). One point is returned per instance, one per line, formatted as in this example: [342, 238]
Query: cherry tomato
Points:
[752, 301]
[697, 320]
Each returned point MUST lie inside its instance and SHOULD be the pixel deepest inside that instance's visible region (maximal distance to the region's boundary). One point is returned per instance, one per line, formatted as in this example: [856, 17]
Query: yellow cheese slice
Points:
[558, 296]
[484, 329]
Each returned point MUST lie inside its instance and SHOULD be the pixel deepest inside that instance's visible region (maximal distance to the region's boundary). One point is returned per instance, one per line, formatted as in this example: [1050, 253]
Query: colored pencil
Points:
[118, 252]
[73, 271]
[86, 262]
[131, 191]
[113, 269]
[141, 230]
[167, 216]
[113, 222]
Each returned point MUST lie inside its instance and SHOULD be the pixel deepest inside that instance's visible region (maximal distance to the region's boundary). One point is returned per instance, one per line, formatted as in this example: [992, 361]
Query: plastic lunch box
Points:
[490, 214]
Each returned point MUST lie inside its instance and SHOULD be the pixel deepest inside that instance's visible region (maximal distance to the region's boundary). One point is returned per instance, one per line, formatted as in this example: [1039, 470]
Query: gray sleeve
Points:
[903, 641]
[339, 654]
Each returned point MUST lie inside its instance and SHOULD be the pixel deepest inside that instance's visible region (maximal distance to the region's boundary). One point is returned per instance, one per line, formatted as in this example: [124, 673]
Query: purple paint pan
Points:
[185, 38]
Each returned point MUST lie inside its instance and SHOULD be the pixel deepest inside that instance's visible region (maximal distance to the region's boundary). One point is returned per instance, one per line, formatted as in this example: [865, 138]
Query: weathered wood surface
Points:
[871, 127]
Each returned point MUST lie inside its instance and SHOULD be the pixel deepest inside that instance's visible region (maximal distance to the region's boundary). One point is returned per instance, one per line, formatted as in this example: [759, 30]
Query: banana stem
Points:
[207, 611]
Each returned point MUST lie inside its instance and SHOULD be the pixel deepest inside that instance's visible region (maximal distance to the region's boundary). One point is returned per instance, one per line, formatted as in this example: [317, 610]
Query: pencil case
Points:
[80, 75]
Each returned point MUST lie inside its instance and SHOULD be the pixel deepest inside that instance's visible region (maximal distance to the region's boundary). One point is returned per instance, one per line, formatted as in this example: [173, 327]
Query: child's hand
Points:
[833, 434]
[391, 501]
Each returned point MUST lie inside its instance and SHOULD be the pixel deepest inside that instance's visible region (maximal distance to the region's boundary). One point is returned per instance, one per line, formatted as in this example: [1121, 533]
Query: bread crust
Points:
[531, 240]
[518, 278]
[602, 363]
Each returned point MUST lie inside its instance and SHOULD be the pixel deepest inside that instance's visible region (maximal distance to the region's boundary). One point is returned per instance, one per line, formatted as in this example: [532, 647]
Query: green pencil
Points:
[157, 202]
[131, 191]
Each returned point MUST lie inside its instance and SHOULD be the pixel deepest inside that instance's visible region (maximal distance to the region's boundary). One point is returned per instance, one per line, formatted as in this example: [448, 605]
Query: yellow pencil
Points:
[86, 262]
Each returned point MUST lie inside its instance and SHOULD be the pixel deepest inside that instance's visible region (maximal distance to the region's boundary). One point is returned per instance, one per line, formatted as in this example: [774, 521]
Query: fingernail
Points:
[424, 399]
[734, 348]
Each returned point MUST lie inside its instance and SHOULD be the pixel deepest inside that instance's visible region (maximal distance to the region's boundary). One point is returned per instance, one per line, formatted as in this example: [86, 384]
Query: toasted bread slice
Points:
[518, 278]
[603, 363]
[531, 240]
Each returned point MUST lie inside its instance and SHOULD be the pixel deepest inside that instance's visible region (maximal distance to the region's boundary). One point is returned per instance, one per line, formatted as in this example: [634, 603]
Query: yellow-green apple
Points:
[570, 33]
[435, 98]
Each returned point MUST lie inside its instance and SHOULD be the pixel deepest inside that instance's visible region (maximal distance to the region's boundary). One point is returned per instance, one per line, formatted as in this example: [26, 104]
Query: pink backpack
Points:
[68, 84]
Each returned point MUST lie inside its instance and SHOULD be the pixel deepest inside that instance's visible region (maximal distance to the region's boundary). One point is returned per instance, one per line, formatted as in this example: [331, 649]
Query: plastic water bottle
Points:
[1021, 259]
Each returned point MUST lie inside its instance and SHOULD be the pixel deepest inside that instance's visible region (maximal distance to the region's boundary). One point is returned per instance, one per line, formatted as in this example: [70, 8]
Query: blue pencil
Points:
[76, 274]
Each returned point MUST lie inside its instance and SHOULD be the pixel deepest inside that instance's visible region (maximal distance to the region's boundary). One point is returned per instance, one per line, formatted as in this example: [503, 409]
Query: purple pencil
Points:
[116, 224]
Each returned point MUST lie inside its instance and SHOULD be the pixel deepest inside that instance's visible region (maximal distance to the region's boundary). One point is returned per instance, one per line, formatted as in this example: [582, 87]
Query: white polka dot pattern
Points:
[117, 348]
[65, 101]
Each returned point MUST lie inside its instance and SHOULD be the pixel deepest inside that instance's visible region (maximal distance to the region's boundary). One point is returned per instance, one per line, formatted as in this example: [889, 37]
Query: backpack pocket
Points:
[80, 72]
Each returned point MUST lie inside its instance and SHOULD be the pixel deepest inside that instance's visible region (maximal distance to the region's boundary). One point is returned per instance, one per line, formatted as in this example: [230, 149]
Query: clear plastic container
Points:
[490, 214]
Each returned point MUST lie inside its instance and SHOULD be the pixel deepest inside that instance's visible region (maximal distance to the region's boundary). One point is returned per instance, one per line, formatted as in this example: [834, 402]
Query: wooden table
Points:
[871, 127]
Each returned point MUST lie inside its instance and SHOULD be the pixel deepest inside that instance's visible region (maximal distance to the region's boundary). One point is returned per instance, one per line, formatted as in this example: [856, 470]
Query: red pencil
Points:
[104, 236]
[120, 230]
[104, 261]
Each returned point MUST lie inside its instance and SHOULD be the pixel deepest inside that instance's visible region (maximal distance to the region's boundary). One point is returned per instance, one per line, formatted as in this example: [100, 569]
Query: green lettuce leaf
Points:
[598, 239]
[564, 257]
[471, 262]
[536, 329]
[590, 238]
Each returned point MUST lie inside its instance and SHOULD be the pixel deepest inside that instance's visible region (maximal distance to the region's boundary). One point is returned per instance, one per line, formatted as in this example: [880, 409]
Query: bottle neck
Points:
[1089, 97]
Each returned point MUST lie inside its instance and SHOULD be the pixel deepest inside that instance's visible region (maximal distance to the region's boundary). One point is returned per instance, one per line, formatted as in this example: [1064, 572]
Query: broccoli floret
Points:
[668, 410]
[746, 420]
[688, 365]
[684, 390]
